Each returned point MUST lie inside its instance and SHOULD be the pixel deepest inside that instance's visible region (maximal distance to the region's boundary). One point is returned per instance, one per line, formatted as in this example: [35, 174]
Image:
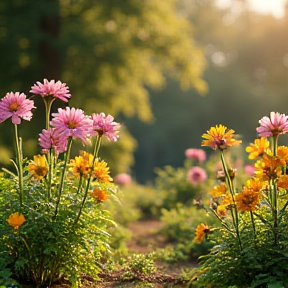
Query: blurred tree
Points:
[247, 61]
[108, 53]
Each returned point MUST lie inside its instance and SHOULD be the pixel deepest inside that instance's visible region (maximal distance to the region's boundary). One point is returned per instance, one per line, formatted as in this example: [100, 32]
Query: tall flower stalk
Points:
[234, 211]
[61, 186]
[19, 163]
[96, 148]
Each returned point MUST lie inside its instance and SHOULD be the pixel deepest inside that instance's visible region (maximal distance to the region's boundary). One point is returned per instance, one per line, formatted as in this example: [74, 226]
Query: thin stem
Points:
[273, 191]
[19, 163]
[254, 227]
[67, 156]
[95, 154]
[234, 211]
[275, 211]
[48, 104]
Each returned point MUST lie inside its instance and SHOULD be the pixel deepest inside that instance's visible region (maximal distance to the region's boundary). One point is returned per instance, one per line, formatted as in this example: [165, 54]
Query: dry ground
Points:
[144, 240]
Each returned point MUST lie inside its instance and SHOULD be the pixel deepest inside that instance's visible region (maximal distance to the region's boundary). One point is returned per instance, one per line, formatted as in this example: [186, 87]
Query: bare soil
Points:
[144, 239]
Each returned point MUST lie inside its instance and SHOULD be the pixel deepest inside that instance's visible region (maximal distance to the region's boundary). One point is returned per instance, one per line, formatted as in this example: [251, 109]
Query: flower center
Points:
[13, 107]
[71, 124]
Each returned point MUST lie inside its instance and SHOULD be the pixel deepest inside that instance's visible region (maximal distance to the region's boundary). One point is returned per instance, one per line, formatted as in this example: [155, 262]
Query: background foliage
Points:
[114, 55]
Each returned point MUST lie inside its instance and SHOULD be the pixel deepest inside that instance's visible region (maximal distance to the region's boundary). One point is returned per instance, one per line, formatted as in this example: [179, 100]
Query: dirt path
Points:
[145, 239]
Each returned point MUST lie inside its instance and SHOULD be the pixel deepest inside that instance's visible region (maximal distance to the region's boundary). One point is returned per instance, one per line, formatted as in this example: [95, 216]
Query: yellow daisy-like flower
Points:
[282, 152]
[283, 182]
[81, 165]
[269, 167]
[201, 231]
[39, 167]
[101, 171]
[16, 220]
[219, 137]
[247, 200]
[255, 184]
[99, 194]
[257, 148]
[225, 203]
[218, 191]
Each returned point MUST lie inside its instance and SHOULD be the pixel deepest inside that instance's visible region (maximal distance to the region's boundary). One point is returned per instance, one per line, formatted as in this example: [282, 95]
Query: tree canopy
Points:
[108, 52]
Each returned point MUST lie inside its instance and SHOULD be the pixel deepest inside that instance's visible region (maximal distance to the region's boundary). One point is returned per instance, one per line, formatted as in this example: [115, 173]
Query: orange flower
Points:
[269, 167]
[99, 195]
[218, 138]
[247, 200]
[82, 165]
[258, 148]
[225, 203]
[254, 184]
[16, 220]
[218, 191]
[201, 231]
[282, 152]
[101, 172]
[283, 182]
[39, 167]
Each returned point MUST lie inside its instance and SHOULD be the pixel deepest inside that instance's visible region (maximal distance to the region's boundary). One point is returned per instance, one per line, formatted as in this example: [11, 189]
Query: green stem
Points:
[275, 211]
[30, 261]
[50, 173]
[234, 211]
[273, 191]
[19, 156]
[48, 104]
[67, 156]
[95, 154]
[254, 227]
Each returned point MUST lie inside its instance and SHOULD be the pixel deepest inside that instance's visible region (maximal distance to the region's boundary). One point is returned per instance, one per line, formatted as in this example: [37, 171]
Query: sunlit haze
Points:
[274, 7]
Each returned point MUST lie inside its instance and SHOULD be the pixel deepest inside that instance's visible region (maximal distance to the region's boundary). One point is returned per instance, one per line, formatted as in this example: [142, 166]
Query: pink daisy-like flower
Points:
[48, 139]
[105, 126]
[275, 125]
[122, 179]
[56, 90]
[16, 106]
[72, 123]
[196, 154]
[196, 175]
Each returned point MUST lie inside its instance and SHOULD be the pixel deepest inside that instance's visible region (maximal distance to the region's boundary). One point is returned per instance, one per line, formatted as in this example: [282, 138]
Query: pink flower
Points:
[57, 90]
[196, 154]
[48, 139]
[249, 170]
[104, 125]
[122, 179]
[275, 125]
[196, 175]
[16, 105]
[72, 123]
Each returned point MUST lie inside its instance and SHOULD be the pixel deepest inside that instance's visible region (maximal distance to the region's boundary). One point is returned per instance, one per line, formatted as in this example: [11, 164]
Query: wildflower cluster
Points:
[252, 237]
[53, 203]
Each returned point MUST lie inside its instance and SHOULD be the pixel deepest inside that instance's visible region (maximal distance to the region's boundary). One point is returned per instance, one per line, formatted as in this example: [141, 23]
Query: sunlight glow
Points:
[274, 7]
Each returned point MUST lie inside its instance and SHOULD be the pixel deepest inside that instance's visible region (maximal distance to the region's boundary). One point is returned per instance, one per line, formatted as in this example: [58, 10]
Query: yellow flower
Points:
[282, 152]
[218, 138]
[247, 200]
[82, 164]
[254, 184]
[257, 148]
[39, 167]
[101, 171]
[16, 220]
[224, 204]
[99, 194]
[269, 167]
[218, 191]
[283, 182]
[201, 231]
